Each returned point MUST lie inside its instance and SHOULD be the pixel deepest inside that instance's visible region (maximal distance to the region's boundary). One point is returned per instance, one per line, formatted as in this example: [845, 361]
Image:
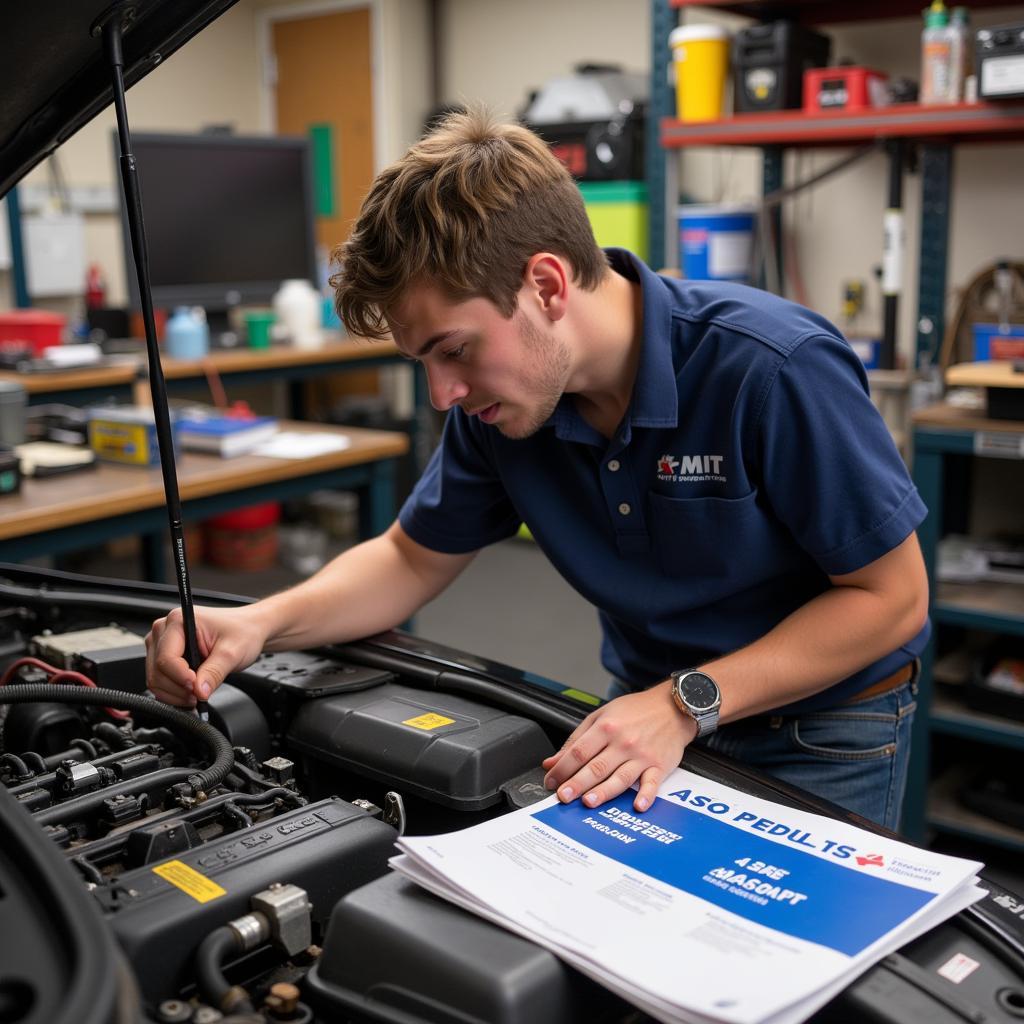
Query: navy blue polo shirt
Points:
[750, 465]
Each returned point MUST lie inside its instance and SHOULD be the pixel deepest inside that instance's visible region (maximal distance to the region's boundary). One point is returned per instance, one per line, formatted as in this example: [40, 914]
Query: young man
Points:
[700, 460]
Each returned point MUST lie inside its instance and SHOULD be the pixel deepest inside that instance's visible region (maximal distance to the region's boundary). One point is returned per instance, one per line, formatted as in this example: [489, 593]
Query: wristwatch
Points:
[696, 694]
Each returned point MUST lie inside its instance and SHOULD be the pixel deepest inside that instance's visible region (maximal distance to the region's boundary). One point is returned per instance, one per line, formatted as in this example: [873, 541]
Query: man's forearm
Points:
[831, 637]
[369, 588]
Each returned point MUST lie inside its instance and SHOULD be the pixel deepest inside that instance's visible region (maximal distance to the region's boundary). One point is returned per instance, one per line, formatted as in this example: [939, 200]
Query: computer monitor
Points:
[228, 218]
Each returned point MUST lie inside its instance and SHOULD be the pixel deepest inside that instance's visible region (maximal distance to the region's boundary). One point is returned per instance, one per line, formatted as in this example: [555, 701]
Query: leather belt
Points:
[897, 679]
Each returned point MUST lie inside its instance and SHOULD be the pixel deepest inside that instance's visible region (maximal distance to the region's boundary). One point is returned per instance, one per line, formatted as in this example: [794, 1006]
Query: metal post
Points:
[936, 185]
[660, 105]
[892, 255]
[18, 277]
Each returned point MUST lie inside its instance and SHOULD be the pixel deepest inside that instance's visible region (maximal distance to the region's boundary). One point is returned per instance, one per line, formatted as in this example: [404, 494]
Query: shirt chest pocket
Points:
[709, 538]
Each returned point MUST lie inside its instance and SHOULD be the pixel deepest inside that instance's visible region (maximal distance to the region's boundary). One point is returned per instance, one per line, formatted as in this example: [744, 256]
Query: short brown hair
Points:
[464, 209]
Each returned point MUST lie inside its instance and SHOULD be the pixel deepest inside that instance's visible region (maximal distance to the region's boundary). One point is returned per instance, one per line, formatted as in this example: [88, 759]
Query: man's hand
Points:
[637, 736]
[228, 640]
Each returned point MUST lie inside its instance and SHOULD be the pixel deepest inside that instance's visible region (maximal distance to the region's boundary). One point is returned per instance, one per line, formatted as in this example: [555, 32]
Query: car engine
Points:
[158, 868]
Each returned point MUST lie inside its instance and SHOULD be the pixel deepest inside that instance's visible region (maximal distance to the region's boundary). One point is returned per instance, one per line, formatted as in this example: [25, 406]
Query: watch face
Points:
[699, 691]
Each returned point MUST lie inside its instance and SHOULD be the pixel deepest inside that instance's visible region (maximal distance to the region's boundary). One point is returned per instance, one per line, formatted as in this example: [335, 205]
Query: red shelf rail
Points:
[969, 122]
[825, 12]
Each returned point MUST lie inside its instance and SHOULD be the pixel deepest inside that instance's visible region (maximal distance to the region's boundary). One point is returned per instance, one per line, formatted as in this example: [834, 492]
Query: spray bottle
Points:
[937, 43]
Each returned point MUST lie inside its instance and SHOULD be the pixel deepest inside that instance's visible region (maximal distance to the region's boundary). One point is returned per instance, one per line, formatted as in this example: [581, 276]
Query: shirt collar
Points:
[655, 401]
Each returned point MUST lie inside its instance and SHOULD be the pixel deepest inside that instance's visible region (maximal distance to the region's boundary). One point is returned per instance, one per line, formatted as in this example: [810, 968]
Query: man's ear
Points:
[546, 283]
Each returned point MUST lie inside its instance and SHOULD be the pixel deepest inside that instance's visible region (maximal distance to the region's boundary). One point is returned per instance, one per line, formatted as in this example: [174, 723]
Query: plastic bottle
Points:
[299, 309]
[963, 51]
[937, 56]
[186, 336]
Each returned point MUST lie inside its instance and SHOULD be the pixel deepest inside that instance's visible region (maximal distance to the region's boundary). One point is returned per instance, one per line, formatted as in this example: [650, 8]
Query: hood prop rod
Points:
[111, 26]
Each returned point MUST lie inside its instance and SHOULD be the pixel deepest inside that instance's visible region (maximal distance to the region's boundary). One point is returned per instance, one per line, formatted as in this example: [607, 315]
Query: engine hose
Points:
[218, 744]
[49, 777]
[112, 736]
[217, 947]
[21, 770]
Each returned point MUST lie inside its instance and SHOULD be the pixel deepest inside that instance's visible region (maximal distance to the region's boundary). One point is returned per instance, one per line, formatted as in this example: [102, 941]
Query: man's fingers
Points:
[213, 672]
[612, 785]
[650, 780]
[571, 758]
[579, 731]
[168, 693]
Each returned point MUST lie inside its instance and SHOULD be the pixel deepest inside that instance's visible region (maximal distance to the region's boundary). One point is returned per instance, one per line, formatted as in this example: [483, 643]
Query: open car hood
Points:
[54, 76]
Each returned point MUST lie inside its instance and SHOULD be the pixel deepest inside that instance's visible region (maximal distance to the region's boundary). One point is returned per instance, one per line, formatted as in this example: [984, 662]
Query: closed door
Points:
[324, 87]
[324, 83]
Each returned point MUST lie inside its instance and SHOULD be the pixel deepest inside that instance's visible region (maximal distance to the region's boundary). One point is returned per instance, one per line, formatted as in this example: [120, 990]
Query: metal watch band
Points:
[706, 720]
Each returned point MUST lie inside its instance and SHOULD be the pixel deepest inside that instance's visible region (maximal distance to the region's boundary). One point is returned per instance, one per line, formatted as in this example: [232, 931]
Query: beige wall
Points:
[496, 51]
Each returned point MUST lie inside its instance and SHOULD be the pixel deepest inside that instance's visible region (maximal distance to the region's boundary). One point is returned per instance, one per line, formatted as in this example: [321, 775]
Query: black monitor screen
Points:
[228, 218]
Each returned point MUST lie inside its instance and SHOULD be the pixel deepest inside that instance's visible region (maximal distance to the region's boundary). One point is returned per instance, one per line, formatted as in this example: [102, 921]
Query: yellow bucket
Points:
[701, 57]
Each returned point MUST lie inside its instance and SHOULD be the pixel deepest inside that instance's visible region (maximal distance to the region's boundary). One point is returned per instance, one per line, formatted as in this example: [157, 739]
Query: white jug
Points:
[298, 308]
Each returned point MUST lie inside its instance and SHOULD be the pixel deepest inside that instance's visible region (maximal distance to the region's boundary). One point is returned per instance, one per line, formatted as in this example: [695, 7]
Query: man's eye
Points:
[455, 353]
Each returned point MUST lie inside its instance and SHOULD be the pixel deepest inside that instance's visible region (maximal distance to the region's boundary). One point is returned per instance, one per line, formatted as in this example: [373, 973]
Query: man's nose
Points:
[446, 389]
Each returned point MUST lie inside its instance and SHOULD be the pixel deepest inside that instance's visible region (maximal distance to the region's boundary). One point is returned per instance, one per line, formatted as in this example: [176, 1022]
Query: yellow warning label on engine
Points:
[429, 721]
[188, 880]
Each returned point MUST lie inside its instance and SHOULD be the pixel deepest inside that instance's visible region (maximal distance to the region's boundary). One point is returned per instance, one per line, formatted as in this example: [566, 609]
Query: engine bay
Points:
[159, 868]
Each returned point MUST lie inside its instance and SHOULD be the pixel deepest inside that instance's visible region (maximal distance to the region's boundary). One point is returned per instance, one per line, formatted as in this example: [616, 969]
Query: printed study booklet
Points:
[712, 905]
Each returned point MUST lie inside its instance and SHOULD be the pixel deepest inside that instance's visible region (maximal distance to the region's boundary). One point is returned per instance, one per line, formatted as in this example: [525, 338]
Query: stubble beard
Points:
[545, 382]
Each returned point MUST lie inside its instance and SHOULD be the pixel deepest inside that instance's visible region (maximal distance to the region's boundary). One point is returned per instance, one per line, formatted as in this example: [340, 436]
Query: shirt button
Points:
[624, 509]
[613, 465]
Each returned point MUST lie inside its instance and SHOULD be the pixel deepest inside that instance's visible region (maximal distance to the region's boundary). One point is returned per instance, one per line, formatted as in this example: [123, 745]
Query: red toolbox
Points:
[844, 88]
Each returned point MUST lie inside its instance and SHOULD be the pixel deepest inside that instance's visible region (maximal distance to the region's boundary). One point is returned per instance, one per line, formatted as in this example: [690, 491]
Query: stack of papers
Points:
[711, 906]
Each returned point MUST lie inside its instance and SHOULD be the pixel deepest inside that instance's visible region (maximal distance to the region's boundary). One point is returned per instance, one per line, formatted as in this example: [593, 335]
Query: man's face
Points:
[509, 372]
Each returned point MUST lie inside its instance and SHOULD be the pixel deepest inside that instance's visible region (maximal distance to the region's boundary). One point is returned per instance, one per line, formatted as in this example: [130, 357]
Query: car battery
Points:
[446, 749]
[768, 65]
[844, 88]
[999, 58]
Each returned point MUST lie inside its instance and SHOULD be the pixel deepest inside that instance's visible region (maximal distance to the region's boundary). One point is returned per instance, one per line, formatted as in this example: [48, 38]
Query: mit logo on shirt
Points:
[691, 468]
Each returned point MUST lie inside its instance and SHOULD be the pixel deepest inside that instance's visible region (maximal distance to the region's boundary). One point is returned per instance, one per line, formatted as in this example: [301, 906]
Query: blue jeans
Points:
[854, 754]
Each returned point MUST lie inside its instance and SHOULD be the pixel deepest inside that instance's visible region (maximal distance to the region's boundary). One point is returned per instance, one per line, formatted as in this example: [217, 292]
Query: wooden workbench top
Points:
[952, 417]
[122, 372]
[237, 360]
[86, 496]
[125, 369]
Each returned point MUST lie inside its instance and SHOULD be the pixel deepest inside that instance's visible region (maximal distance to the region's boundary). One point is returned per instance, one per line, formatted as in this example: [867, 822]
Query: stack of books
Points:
[223, 435]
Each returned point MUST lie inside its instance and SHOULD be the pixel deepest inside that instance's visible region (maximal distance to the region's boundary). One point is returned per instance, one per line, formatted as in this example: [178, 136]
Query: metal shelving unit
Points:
[945, 441]
[934, 131]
